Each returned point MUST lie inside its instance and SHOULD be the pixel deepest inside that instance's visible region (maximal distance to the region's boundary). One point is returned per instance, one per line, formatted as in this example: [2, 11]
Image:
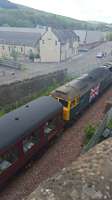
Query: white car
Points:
[100, 55]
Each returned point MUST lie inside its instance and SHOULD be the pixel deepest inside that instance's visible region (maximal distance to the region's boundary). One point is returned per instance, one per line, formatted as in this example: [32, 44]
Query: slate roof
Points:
[21, 121]
[89, 36]
[19, 38]
[40, 29]
[64, 35]
[31, 36]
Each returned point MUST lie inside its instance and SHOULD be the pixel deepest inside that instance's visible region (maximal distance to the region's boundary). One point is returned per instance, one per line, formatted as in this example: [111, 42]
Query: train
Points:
[29, 128]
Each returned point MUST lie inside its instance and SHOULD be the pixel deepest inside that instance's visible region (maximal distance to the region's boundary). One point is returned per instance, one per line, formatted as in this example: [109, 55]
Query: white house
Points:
[58, 45]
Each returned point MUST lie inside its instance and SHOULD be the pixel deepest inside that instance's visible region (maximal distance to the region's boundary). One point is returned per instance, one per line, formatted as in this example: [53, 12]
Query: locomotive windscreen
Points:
[63, 102]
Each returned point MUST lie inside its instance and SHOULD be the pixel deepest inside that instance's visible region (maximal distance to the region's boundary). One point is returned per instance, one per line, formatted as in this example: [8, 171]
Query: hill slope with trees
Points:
[20, 16]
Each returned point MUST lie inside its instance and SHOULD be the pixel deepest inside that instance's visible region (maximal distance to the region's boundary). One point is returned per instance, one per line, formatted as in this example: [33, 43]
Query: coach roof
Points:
[21, 121]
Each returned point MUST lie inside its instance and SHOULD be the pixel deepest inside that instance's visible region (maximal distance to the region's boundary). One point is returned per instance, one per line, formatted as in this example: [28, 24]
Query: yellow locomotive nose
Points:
[66, 114]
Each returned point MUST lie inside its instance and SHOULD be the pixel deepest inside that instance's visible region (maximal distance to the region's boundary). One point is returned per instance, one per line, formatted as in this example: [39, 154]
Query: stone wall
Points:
[89, 178]
[16, 91]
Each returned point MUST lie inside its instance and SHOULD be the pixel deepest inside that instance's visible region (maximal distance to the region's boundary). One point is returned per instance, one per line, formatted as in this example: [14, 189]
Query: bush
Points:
[37, 56]
[14, 54]
[31, 56]
[89, 131]
[109, 125]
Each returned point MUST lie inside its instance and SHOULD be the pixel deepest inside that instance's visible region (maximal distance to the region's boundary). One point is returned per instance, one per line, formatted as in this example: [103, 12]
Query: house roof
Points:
[20, 122]
[40, 29]
[89, 36]
[65, 35]
[19, 38]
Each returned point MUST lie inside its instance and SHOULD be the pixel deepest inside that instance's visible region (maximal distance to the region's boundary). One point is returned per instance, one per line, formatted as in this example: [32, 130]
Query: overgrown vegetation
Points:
[109, 125]
[109, 36]
[33, 56]
[14, 54]
[89, 131]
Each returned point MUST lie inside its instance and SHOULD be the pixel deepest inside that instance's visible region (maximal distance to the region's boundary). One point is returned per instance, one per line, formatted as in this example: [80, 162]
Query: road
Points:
[79, 64]
[76, 66]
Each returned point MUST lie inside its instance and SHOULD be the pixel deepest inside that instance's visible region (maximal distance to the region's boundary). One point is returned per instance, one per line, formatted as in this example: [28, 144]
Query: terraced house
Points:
[20, 40]
[58, 45]
[48, 45]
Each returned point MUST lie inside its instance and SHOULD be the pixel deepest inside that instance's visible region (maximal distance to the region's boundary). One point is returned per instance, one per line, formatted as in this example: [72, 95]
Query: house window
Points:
[3, 47]
[50, 126]
[9, 49]
[49, 38]
[43, 42]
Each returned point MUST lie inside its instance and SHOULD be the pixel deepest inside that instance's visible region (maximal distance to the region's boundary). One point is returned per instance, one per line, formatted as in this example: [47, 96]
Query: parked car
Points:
[100, 55]
[83, 50]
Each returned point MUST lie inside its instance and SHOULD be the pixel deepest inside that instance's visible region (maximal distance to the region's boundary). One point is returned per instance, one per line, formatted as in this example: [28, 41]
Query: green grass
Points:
[89, 131]
[109, 125]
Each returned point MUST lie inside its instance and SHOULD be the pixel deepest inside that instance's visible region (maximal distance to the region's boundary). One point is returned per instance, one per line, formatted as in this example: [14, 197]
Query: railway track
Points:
[65, 150]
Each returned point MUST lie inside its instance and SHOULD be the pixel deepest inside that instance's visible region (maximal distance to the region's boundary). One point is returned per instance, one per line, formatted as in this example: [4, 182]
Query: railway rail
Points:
[59, 155]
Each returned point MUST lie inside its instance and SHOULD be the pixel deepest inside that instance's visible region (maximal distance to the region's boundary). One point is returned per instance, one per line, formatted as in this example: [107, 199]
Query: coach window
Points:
[50, 126]
[8, 158]
[29, 142]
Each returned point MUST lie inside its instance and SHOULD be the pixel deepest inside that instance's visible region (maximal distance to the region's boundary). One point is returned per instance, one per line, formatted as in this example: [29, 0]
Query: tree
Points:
[31, 56]
[109, 36]
[14, 54]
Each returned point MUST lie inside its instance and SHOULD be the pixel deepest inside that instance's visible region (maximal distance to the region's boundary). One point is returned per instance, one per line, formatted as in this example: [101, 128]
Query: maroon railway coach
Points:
[24, 131]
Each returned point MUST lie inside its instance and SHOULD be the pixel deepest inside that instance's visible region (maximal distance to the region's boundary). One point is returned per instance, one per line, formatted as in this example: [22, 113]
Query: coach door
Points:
[31, 142]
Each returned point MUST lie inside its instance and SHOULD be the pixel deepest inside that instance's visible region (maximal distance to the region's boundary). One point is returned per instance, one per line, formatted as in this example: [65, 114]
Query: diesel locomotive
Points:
[26, 130]
[79, 93]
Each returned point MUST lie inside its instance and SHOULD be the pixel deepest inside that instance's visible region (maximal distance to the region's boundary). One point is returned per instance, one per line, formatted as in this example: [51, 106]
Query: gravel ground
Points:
[65, 150]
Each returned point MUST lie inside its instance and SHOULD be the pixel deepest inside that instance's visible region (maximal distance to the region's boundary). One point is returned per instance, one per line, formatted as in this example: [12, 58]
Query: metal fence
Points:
[10, 64]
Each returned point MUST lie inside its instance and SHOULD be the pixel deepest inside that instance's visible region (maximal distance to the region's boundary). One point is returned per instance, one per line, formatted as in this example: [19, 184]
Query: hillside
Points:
[21, 16]
[8, 5]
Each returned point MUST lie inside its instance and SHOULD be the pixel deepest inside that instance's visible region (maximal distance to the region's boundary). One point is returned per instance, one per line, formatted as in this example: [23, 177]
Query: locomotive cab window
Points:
[30, 141]
[8, 158]
[63, 102]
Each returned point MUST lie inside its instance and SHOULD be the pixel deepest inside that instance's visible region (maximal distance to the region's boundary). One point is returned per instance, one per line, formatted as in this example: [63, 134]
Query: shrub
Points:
[31, 56]
[37, 56]
[89, 131]
[109, 125]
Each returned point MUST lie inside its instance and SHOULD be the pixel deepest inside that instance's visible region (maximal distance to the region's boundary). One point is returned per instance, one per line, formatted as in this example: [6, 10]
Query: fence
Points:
[10, 63]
